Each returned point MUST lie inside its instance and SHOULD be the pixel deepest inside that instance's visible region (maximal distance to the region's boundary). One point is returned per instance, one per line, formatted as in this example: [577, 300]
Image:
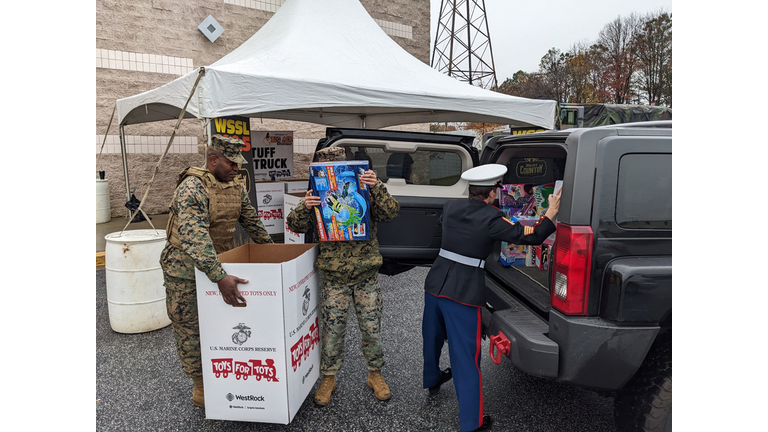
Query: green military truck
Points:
[597, 114]
[591, 115]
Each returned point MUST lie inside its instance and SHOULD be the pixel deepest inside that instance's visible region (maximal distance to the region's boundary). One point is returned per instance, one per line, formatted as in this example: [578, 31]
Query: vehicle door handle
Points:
[430, 213]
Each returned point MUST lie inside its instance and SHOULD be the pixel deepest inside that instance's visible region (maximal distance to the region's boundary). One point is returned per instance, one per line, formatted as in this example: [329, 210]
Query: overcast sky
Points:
[522, 32]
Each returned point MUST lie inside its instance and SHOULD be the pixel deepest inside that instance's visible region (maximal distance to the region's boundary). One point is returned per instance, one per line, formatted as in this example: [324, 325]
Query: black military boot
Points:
[447, 375]
[487, 422]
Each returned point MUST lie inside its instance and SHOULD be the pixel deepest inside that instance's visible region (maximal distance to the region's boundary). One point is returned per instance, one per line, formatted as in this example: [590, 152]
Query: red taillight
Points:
[569, 287]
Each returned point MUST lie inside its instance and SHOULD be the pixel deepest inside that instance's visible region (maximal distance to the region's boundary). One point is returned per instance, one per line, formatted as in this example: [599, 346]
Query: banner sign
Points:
[272, 155]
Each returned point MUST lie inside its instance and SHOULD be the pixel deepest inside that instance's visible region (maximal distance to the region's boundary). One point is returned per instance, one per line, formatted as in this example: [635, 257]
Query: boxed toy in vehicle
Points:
[512, 254]
[525, 204]
[525, 201]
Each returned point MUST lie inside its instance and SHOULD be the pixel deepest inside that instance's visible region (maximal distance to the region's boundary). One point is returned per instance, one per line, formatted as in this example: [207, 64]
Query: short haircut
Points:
[210, 151]
[481, 192]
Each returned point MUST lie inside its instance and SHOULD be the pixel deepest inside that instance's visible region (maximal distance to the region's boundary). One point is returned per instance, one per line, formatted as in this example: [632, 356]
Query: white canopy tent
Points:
[328, 62]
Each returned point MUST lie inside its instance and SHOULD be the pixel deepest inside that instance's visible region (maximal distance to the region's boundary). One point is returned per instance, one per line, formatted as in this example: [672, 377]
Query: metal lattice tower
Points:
[463, 43]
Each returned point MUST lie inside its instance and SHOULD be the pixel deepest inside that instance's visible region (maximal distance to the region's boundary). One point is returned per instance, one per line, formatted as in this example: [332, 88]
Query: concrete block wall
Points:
[143, 44]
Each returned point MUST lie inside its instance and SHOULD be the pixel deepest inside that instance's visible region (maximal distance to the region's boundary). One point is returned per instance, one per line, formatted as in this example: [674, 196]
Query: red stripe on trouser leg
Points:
[477, 361]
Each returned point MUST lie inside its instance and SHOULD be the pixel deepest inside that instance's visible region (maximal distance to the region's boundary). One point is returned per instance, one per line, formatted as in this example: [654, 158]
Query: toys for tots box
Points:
[261, 361]
[269, 196]
[290, 202]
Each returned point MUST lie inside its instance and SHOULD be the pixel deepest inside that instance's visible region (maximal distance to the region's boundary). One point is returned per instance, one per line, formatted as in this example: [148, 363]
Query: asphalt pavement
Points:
[140, 385]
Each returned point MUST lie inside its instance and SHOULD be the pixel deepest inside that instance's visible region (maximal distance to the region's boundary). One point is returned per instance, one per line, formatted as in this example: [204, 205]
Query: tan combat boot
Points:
[323, 393]
[198, 394]
[380, 388]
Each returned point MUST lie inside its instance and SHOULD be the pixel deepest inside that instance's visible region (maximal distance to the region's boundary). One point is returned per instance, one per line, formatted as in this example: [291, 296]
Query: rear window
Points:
[422, 167]
[644, 195]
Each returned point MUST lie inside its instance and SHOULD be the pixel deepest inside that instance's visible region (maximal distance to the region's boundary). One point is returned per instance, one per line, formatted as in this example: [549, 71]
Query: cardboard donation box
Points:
[269, 197]
[261, 361]
[296, 186]
[290, 201]
[344, 210]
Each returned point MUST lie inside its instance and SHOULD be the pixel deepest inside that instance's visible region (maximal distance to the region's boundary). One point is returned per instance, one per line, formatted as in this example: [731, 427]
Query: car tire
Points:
[645, 402]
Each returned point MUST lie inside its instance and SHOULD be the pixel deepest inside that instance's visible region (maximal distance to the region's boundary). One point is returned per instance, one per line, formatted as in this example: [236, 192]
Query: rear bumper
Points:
[585, 351]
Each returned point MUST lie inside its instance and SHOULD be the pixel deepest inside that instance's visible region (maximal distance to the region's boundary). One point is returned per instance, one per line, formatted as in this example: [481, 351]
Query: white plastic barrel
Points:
[102, 201]
[135, 292]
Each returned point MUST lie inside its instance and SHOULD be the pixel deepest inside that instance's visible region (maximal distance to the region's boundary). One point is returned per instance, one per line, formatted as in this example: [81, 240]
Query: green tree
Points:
[528, 85]
[579, 66]
[618, 40]
[598, 73]
[654, 52]
[630, 62]
[553, 67]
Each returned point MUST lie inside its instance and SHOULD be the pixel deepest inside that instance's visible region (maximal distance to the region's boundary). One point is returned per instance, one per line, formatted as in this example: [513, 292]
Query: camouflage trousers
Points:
[181, 304]
[335, 299]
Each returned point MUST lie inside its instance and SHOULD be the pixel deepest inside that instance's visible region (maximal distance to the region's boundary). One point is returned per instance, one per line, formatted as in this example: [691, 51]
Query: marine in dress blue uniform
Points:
[455, 287]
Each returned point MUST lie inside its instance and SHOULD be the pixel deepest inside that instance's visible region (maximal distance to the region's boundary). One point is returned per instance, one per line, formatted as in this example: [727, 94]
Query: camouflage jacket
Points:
[349, 261]
[191, 205]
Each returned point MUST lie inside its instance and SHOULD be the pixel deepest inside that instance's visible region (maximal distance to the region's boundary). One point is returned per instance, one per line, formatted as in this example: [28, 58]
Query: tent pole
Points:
[207, 135]
[125, 167]
[157, 167]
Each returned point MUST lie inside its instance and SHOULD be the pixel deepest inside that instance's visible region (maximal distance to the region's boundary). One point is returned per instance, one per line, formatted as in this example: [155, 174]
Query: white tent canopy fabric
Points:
[328, 62]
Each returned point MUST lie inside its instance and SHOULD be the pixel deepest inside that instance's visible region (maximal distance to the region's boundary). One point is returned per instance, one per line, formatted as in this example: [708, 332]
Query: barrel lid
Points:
[133, 236]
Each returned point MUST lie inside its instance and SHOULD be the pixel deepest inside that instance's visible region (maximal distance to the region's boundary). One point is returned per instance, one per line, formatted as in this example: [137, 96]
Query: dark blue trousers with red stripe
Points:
[461, 325]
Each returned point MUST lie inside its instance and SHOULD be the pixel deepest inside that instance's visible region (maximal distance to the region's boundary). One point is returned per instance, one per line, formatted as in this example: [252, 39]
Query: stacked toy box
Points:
[344, 210]
[524, 204]
[541, 255]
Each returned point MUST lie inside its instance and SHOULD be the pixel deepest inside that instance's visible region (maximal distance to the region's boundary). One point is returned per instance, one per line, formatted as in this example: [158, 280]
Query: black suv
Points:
[599, 315]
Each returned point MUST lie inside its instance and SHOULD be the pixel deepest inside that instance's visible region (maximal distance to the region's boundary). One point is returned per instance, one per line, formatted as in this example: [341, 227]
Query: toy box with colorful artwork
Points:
[512, 254]
[541, 255]
[525, 201]
[344, 210]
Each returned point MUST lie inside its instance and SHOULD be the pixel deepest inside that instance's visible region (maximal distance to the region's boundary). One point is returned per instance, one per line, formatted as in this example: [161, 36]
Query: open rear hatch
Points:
[533, 170]
[518, 296]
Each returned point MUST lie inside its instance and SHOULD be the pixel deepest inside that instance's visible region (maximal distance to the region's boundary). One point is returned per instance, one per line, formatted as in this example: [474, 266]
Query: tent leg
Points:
[207, 134]
[125, 167]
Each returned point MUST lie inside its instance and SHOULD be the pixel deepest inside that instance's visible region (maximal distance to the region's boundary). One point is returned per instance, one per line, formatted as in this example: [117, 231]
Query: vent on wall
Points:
[211, 28]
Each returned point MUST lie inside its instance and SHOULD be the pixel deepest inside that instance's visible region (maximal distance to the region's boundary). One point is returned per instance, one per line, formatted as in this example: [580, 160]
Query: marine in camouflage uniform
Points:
[205, 207]
[350, 274]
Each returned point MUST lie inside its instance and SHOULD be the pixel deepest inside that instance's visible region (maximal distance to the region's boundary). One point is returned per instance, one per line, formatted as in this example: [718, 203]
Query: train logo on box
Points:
[222, 368]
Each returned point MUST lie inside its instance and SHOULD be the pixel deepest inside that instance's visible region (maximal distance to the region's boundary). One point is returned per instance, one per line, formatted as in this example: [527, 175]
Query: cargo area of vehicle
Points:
[531, 283]
[532, 173]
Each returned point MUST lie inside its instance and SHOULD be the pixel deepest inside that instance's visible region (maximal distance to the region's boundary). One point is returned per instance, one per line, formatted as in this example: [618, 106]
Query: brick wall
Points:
[143, 44]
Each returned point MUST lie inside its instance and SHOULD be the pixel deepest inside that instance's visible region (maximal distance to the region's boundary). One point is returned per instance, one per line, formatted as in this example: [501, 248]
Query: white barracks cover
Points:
[328, 62]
